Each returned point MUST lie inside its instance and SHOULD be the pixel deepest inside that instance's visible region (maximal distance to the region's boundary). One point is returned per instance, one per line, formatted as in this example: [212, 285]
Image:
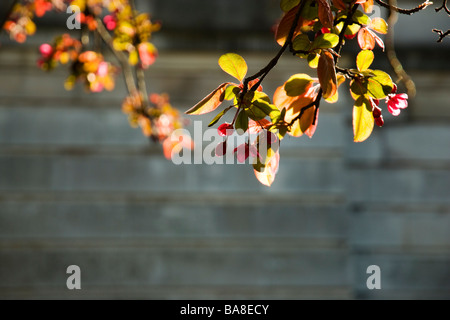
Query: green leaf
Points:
[361, 18]
[357, 89]
[241, 122]
[326, 40]
[313, 60]
[210, 102]
[287, 5]
[231, 92]
[234, 65]
[268, 108]
[301, 43]
[297, 84]
[258, 95]
[364, 60]
[219, 116]
[310, 10]
[363, 121]
[380, 85]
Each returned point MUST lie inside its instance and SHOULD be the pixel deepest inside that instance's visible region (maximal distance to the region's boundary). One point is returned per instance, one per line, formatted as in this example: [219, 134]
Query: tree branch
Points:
[265, 71]
[404, 11]
[395, 63]
[442, 34]
[121, 57]
[444, 6]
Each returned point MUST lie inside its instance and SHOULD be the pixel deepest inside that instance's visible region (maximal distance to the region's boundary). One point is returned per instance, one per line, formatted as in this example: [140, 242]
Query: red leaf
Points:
[325, 14]
[210, 102]
[327, 74]
[285, 24]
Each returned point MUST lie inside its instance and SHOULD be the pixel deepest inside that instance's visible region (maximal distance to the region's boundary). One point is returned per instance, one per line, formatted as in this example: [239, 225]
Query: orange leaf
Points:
[267, 176]
[363, 121]
[293, 107]
[210, 102]
[285, 24]
[306, 121]
[379, 25]
[327, 74]
[366, 40]
[368, 6]
[325, 15]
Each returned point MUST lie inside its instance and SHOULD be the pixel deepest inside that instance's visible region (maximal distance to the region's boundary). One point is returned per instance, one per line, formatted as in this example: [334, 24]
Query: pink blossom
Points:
[395, 102]
[46, 50]
[102, 69]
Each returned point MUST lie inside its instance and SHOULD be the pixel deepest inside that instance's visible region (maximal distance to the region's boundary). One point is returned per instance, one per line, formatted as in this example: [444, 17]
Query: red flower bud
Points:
[225, 129]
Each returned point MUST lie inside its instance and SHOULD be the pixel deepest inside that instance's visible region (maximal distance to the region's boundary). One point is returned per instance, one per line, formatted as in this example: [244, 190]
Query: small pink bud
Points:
[46, 50]
[379, 121]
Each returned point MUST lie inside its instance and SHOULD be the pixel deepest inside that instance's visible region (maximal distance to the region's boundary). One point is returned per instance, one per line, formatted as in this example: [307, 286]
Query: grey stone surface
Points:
[79, 186]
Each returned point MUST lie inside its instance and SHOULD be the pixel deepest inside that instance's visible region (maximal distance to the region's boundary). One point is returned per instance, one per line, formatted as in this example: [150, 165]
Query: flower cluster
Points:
[158, 120]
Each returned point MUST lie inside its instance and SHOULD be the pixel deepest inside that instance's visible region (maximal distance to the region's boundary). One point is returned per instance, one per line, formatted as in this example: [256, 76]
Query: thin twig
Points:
[142, 86]
[121, 57]
[442, 34]
[444, 6]
[404, 11]
[395, 63]
[263, 72]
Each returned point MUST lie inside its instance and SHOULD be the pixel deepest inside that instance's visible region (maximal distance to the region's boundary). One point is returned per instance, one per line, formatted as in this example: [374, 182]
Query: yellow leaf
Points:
[234, 65]
[364, 60]
[379, 25]
[363, 121]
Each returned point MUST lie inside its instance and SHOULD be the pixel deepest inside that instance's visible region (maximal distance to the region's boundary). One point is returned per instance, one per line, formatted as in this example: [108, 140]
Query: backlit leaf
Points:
[241, 122]
[210, 102]
[284, 26]
[267, 176]
[361, 18]
[363, 121]
[313, 60]
[368, 6]
[327, 74]
[379, 85]
[325, 15]
[301, 43]
[234, 65]
[298, 84]
[364, 60]
[231, 92]
[335, 98]
[379, 25]
[326, 40]
[219, 116]
[366, 40]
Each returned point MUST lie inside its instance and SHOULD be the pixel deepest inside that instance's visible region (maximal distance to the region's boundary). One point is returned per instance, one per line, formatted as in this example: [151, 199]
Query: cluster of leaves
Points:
[315, 31]
[127, 33]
